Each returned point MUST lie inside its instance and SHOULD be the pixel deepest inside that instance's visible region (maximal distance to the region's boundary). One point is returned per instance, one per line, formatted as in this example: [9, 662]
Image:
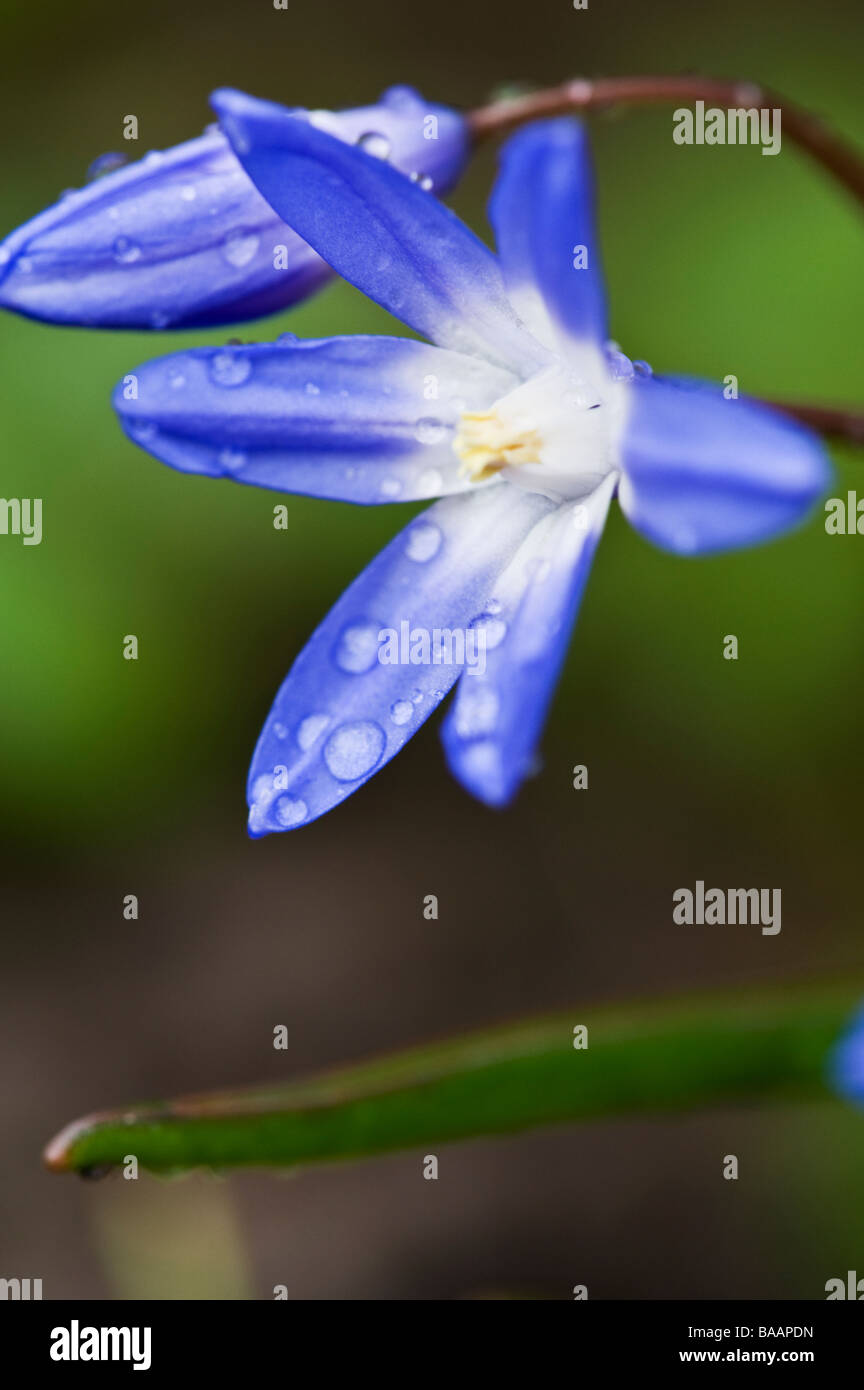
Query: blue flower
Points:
[183, 238]
[521, 418]
[846, 1063]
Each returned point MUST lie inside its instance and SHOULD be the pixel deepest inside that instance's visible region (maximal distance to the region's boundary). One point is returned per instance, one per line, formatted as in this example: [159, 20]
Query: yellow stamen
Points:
[486, 445]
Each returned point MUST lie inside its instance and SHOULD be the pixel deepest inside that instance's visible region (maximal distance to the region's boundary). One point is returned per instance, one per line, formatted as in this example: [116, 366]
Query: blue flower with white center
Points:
[183, 239]
[521, 418]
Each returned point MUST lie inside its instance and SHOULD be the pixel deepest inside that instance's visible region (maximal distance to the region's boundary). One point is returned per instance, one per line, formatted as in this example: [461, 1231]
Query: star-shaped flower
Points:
[521, 417]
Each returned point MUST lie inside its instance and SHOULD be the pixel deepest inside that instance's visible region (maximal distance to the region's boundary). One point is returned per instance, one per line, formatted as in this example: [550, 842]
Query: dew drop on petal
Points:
[400, 98]
[357, 648]
[620, 366]
[390, 487]
[240, 246]
[287, 339]
[279, 730]
[401, 711]
[429, 431]
[311, 389]
[311, 728]
[229, 368]
[426, 184]
[290, 811]
[176, 379]
[231, 459]
[374, 143]
[416, 696]
[353, 750]
[494, 628]
[105, 164]
[424, 542]
[188, 193]
[143, 431]
[430, 482]
[159, 319]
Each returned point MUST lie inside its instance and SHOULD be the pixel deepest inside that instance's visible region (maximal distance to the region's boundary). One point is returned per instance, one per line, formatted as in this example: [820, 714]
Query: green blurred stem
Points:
[652, 1059]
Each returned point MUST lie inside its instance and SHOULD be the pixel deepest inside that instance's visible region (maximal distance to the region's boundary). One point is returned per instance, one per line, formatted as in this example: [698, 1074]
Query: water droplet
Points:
[188, 193]
[416, 696]
[357, 648]
[493, 606]
[643, 368]
[375, 144]
[390, 487]
[25, 265]
[125, 251]
[620, 366]
[290, 810]
[494, 628]
[231, 459]
[105, 164]
[400, 98]
[240, 246]
[176, 378]
[311, 389]
[426, 184]
[229, 368]
[310, 729]
[355, 749]
[159, 319]
[287, 339]
[424, 541]
[429, 431]
[430, 483]
[279, 730]
[143, 431]
[401, 712]
[476, 710]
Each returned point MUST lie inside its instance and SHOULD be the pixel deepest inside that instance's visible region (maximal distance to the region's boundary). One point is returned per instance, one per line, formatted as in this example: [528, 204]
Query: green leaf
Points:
[657, 1058]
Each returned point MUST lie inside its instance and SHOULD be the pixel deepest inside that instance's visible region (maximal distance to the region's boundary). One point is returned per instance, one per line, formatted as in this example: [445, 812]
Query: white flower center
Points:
[556, 433]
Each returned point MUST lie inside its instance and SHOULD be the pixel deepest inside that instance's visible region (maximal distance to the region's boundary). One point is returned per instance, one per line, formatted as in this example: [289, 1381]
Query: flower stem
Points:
[805, 130]
[666, 1057]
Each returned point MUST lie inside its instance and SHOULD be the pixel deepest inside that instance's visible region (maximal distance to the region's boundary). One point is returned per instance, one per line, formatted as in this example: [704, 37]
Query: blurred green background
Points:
[122, 777]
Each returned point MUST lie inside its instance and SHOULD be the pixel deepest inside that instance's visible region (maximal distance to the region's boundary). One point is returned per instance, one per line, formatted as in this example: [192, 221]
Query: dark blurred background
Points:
[122, 777]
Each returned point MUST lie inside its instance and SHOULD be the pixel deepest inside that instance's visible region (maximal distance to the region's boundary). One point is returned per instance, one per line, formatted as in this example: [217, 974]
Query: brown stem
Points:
[836, 421]
[804, 129]
[584, 94]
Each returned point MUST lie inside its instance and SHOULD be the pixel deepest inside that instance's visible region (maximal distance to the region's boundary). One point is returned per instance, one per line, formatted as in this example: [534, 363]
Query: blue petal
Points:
[703, 473]
[385, 234]
[492, 730]
[542, 209]
[846, 1062]
[343, 713]
[361, 419]
[184, 239]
